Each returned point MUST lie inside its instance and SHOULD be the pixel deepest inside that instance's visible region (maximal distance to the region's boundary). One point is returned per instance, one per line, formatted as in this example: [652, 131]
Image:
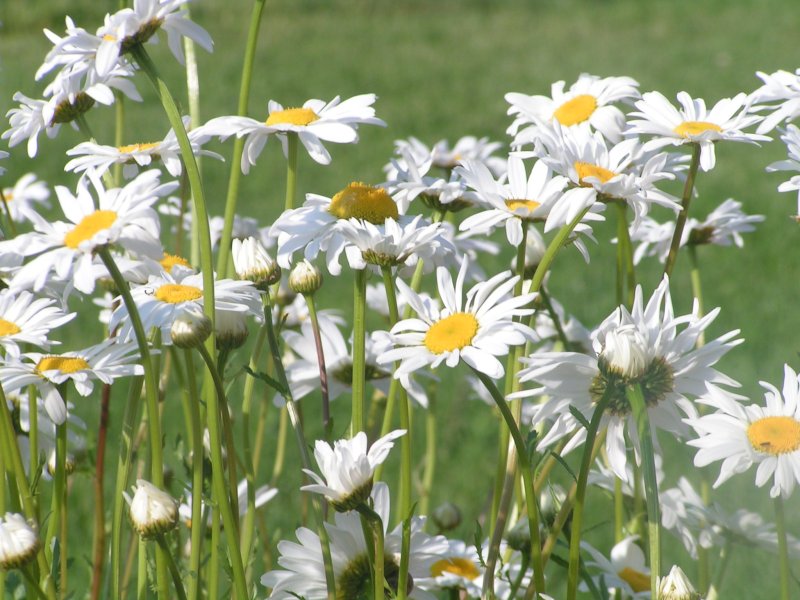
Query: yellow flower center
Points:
[108, 37]
[577, 110]
[451, 333]
[175, 293]
[65, 364]
[462, 567]
[292, 116]
[361, 201]
[8, 195]
[589, 170]
[130, 148]
[88, 227]
[527, 206]
[8, 328]
[639, 582]
[775, 435]
[691, 128]
[170, 260]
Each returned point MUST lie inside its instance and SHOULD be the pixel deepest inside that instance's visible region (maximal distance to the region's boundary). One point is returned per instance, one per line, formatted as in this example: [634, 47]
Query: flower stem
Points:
[376, 525]
[357, 421]
[323, 372]
[527, 481]
[642, 418]
[99, 552]
[173, 568]
[291, 169]
[675, 244]
[550, 253]
[783, 549]
[196, 554]
[697, 289]
[626, 271]
[238, 146]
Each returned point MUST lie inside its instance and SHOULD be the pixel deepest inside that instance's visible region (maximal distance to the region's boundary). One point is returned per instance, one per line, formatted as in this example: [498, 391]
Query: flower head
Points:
[252, 262]
[152, 510]
[19, 541]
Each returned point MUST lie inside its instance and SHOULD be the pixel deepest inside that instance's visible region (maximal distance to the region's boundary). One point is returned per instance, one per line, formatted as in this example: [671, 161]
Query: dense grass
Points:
[440, 70]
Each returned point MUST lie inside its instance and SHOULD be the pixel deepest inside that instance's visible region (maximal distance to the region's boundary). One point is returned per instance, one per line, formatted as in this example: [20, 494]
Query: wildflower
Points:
[252, 262]
[152, 511]
[19, 541]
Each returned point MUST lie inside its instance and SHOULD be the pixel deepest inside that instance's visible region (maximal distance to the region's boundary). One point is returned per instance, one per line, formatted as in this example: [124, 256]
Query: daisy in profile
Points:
[105, 362]
[476, 329]
[625, 569]
[25, 319]
[447, 158]
[648, 346]
[303, 573]
[741, 436]
[28, 120]
[780, 86]
[315, 122]
[693, 123]
[122, 216]
[588, 103]
[26, 193]
[790, 137]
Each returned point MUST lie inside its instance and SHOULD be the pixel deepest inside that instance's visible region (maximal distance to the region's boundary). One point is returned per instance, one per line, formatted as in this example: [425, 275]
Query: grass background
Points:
[440, 70]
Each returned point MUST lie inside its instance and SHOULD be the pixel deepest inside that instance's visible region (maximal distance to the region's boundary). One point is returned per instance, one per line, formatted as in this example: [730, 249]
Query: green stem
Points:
[625, 254]
[785, 572]
[642, 418]
[430, 455]
[119, 133]
[141, 571]
[196, 555]
[238, 146]
[291, 169]
[33, 437]
[323, 372]
[173, 568]
[724, 560]
[580, 497]
[619, 511]
[30, 579]
[357, 421]
[527, 481]
[550, 253]
[376, 525]
[697, 289]
[213, 573]
[675, 244]
[59, 485]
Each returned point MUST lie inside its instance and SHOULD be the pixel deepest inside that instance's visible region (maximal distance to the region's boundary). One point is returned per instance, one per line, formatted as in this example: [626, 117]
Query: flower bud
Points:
[19, 541]
[519, 536]
[252, 262]
[69, 464]
[231, 329]
[152, 511]
[305, 278]
[625, 350]
[676, 586]
[191, 328]
[447, 516]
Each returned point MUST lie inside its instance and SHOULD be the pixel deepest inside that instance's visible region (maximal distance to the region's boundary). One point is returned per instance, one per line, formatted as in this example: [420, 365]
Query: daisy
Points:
[644, 347]
[25, 319]
[29, 120]
[21, 198]
[303, 573]
[790, 137]
[444, 157]
[624, 570]
[316, 121]
[588, 103]
[19, 541]
[740, 436]
[477, 329]
[779, 86]
[123, 216]
[106, 362]
[101, 158]
[166, 296]
[694, 123]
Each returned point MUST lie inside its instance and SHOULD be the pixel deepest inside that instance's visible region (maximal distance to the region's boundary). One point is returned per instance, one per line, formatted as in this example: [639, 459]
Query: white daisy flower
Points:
[643, 346]
[693, 123]
[780, 86]
[624, 570]
[19, 541]
[750, 530]
[790, 137]
[101, 158]
[476, 329]
[315, 122]
[446, 158]
[29, 120]
[123, 216]
[25, 319]
[166, 296]
[77, 46]
[588, 103]
[303, 572]
[152, 510]
[105, 362]
[684, 514]
[24, 195]
[740, 436]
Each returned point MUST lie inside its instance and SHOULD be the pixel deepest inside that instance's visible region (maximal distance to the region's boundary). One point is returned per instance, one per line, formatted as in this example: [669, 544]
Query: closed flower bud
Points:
[69, 464]
[152, 511]
[19, 541]
[625, 351]
[519, 536]
[447, 516]
[676, 586]
[305, 278]
[190, 329]
[252, 262]
[231, 329]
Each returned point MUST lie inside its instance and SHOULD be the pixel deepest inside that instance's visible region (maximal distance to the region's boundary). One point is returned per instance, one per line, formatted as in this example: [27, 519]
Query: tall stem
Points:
[198, 517]
[627, 270]
[784, 570]
[357, 421]
[173, 567]
[376, 525]
[552, 250]
[291, 169]
[642, 418]
[688, 187]
[323, 372]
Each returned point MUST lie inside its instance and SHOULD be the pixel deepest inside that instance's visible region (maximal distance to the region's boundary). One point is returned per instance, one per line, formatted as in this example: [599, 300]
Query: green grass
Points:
[440, 71]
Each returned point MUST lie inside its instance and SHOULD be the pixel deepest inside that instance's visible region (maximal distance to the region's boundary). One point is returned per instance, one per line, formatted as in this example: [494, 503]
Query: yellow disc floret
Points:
[65, 364]
[638, 581]
[89, 226]
[455, 565]
[577, 110]
[361, 201]
[451, 333]
[131, 148]
[8, 328]
[175, 293]
[170, 260]
[689, 129]
[774, 435]
[292, 116]
[585, 170]
[526, 206]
